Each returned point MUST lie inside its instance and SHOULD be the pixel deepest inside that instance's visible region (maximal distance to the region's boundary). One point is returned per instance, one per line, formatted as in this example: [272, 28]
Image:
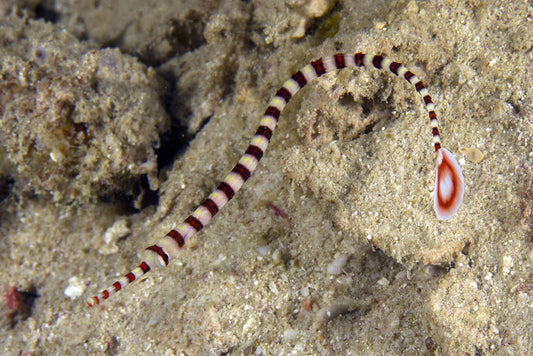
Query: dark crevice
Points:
[347, 99]
[367, 105]
[203, 123]
[6, 184]
[125, 200]
[369, 128]
[171, 144]
[249, 44]
[174, 141]
[47, 14]
[149, 197]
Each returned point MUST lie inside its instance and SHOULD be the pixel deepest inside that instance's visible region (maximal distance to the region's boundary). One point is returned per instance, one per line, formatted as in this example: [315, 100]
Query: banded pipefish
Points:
[449, 182]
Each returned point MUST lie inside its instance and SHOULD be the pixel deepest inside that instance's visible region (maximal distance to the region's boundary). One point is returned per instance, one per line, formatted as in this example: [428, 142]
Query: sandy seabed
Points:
[332, 247]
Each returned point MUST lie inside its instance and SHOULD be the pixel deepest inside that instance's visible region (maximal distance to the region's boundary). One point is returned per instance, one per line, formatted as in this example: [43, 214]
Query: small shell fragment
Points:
[337, 265]
[333, 310]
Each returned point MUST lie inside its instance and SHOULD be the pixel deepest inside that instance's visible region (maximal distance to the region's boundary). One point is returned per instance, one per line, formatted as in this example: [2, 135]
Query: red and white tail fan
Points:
[449, 185]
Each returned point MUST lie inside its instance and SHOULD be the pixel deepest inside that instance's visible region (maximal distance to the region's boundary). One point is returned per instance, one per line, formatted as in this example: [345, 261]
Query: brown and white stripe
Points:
[166, 249]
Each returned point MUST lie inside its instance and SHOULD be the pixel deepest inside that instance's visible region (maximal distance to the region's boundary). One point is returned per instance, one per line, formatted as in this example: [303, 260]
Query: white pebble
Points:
[383, 282]
[75, 288]
[263, 250]
[507, 264]
[337, 265]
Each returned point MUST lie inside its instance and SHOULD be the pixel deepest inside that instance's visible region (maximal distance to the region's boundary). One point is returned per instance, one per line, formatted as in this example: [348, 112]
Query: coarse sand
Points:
[332, 247]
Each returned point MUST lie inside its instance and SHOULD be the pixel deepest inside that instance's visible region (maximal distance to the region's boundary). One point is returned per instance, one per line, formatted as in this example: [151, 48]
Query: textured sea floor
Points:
[332, 247]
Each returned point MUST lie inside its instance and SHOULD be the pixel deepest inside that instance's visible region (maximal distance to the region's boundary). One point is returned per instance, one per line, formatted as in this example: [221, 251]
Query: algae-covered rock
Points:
[75, 121]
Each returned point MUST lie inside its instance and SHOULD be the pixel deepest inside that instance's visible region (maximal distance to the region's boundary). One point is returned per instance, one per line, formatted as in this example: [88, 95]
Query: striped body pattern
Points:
[449, 183]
